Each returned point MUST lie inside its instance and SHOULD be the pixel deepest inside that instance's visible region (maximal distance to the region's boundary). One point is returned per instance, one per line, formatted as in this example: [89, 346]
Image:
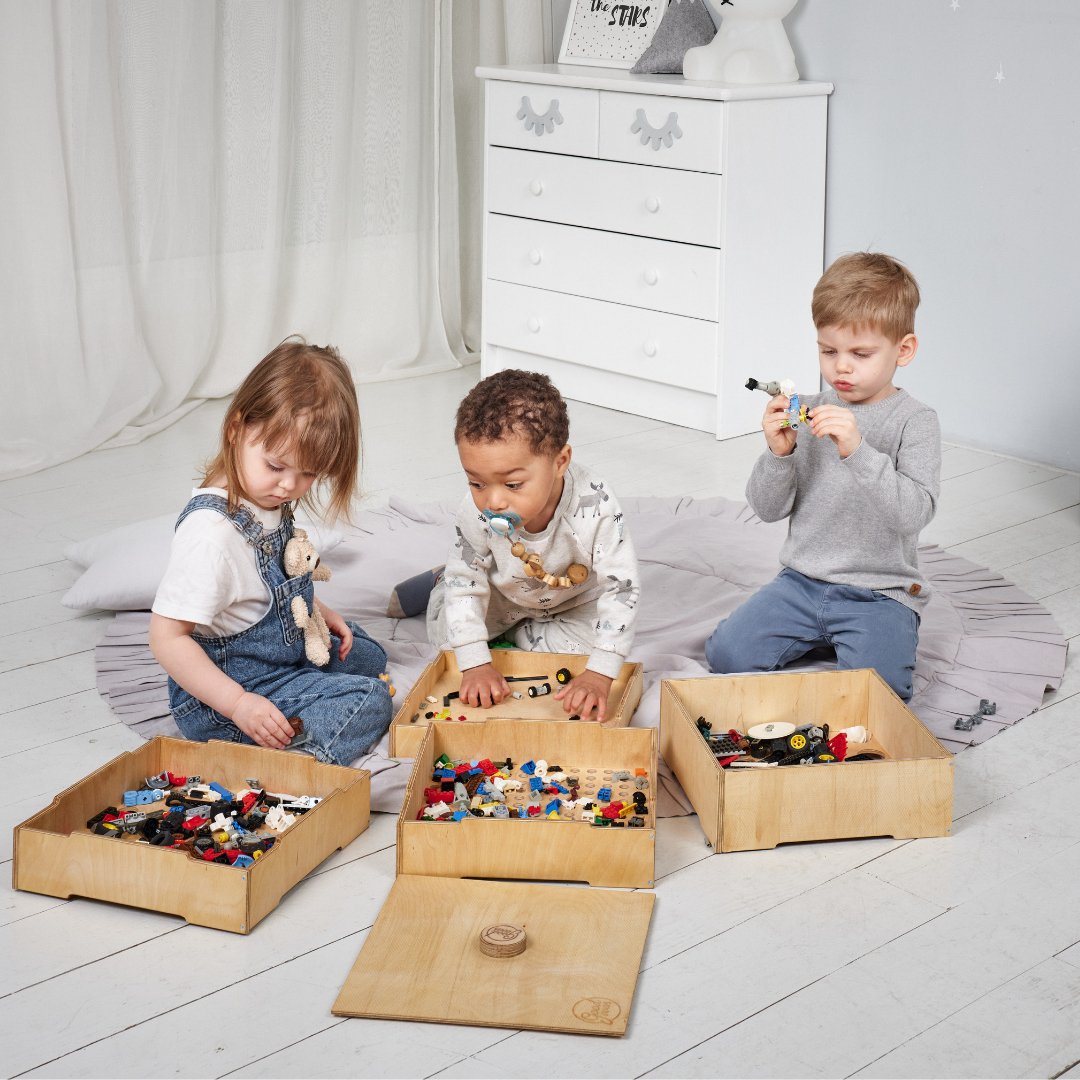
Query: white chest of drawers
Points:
[651, 243]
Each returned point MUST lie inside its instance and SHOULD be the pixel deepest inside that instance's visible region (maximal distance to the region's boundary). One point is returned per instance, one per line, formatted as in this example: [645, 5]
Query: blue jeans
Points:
[345, 707]
[794, 614]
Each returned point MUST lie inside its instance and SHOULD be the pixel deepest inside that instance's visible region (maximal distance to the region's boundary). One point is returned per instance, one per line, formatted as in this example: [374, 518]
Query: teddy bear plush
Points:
[302, 558]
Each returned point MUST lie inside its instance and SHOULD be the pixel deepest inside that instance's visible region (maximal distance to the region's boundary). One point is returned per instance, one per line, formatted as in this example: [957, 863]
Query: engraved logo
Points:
[596, 1010]
[506, 933]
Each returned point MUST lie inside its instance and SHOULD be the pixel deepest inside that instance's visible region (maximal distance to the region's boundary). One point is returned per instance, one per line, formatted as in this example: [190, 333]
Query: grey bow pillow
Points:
[686, 24]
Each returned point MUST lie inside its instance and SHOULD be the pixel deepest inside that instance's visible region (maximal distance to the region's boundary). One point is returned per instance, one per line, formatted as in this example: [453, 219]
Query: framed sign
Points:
[609, 33]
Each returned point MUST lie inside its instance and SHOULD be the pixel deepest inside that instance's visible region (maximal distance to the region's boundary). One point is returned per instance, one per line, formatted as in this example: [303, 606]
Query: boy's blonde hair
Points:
[299, 399]
[867, 289]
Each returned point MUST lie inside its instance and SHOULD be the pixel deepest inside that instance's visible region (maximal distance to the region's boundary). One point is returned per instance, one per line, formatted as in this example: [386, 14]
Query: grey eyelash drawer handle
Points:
[540, 123]
[664, 135]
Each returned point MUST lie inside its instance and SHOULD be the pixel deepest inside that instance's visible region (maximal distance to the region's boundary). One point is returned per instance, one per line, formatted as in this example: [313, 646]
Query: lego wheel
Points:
[796, 741]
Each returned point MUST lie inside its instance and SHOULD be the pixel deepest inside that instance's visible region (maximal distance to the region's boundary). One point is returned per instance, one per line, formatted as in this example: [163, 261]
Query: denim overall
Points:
[345, 707]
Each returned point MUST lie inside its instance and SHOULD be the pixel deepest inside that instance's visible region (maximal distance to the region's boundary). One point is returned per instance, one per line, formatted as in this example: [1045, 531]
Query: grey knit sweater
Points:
[856, 521]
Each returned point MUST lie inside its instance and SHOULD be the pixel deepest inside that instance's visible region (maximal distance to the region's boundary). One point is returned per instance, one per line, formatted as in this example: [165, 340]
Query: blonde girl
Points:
[222, 625]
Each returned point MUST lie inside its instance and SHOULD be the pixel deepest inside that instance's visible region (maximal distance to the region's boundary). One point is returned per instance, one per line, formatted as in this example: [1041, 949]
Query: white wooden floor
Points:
[951, 957]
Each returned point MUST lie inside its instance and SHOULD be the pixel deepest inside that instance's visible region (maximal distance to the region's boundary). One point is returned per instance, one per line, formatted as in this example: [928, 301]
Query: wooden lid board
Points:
[422, 959]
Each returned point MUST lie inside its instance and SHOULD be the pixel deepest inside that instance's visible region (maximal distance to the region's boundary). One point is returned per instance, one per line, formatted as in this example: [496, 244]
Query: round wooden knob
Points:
[502, 939]
[517, 549]
[577, 573]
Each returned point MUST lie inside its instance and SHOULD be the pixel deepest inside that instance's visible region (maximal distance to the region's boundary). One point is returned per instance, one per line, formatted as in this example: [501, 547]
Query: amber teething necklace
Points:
[506, 525]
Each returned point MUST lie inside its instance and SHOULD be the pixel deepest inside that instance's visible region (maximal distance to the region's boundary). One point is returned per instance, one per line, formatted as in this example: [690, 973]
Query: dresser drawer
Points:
[555, 119]
[668, 204]
[677, 133]
[681, 279]
[645, 344]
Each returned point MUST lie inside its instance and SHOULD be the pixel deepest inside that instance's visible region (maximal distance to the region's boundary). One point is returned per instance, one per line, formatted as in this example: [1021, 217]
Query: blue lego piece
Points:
[555, 805]
[148, 795]
[535, 784]
[443, 774]
[458, 815]
[224, 792]
[604, 794]
[131, 798]
[529, 768]
[560, 788]
[522, 812]
[244, 861]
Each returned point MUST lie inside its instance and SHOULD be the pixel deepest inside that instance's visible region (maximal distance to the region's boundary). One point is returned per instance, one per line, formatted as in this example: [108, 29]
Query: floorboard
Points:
[950, 957]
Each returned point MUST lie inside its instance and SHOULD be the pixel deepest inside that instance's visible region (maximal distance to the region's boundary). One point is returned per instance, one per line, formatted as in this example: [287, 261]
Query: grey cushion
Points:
[686, 24]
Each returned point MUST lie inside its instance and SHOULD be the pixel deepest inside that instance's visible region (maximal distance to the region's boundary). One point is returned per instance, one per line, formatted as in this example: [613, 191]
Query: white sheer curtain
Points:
[182, 184]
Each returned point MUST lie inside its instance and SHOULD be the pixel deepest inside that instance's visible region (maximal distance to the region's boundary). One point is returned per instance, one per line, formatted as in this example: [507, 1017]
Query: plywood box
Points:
[906, 793]
[536, 849]
[443, 676]
[55, 854]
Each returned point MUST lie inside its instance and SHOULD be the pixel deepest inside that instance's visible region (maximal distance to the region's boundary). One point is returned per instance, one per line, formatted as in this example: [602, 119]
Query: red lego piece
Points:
[434, 795]
[194, 823]
[612, 811]
[176, 781]
[838, 745]
[486, 767]
[249, 800]
[532, 811]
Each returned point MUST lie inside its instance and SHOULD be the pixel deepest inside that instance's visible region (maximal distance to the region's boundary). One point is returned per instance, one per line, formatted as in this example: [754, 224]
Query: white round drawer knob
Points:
[651, 277]
[535, 257]
[534, 325]
[536, 187]
[649, 348]
[652, 204]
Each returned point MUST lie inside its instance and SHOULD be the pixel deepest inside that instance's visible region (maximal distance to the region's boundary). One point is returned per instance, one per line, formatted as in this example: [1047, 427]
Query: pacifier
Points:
[502, 523]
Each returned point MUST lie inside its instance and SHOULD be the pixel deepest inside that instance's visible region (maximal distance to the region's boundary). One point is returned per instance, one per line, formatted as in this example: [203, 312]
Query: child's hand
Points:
[483, 686]
[339, 628]
[586, 692]
[261, 720]
[781, 439]
[839, 425]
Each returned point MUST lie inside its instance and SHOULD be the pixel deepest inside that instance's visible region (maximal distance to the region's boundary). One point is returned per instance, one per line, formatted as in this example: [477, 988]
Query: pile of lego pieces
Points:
[778, 743]
[485, 788]
[206, 820]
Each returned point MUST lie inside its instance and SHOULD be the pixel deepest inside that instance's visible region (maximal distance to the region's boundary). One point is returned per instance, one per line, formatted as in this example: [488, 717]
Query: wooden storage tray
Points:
[57, 855]
[442, 676]
[908, 793]
[535, 849]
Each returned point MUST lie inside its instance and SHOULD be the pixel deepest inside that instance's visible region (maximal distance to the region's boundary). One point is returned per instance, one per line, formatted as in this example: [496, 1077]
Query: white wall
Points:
[974, 182]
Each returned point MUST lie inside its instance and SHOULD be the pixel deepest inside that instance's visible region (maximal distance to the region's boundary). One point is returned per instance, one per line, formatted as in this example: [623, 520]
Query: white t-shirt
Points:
[212, 578]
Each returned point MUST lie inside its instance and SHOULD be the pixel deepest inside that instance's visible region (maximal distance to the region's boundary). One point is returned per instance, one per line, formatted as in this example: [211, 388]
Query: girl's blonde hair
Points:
[299, 399]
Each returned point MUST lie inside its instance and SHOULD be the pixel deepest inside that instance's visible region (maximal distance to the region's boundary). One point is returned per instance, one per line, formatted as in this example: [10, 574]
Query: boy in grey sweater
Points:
[858, 480]
[542, 554]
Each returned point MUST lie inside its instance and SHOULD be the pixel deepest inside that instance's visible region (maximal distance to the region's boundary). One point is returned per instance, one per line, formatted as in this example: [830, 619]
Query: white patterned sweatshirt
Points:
[487, 589]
